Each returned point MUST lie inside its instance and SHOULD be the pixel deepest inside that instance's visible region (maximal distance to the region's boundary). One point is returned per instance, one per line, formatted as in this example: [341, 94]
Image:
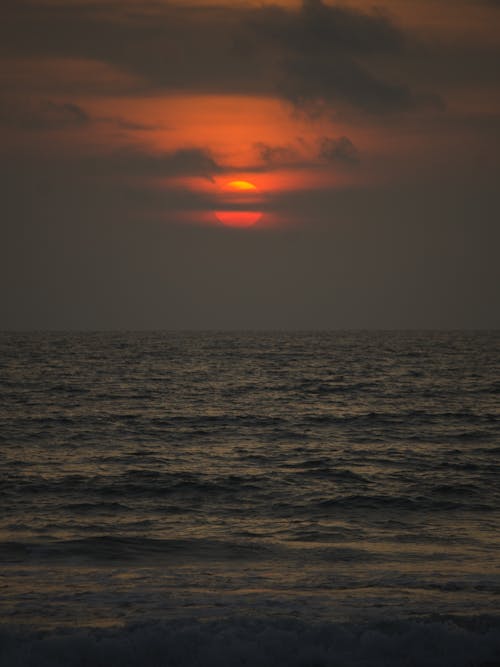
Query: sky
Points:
[365, 139]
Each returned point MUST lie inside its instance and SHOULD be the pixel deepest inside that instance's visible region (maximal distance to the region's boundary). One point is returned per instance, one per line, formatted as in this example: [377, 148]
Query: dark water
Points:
[296, 499]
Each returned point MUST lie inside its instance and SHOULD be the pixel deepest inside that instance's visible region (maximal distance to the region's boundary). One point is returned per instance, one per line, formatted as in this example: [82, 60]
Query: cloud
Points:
[195, 162]
[128, 183]
[328, 28]
[65, 114]
[339, 150]
[310, 80]
[44, 115]
[319, 51]
[51, 115]
[316, 54]
[277, 155]
[161, 46]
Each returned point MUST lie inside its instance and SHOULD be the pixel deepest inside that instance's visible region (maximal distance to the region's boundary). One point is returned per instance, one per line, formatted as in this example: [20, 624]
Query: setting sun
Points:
[238, 201]
[241, 186]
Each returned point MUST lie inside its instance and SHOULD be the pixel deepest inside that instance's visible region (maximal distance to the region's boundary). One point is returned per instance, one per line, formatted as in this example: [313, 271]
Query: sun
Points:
[238, 204]
[240, 186]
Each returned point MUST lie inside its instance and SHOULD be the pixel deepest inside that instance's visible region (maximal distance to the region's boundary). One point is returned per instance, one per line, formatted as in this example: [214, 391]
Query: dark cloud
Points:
[165, 47]
[65, 114]
[329, 29]
[130, 181]
[309, 80]
[183, 162]
[314, 54]
[46, 115]
[319, 50]
[277, 155]
[139, 163]
[122, 185]
[339, 150]
[51, 115]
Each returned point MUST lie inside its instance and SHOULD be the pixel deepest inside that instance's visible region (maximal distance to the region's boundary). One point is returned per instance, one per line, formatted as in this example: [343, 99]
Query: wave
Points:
[438, 642]
[142, 424]
[340, 386]
[406, 503]
[107, 548]
[132, 483]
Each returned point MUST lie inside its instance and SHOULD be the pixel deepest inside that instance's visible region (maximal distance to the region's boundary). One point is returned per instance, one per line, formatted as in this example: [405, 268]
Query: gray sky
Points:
[372, 137]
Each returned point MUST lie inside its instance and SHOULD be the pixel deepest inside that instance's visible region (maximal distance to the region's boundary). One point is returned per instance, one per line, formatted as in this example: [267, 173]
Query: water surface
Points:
[308, 478]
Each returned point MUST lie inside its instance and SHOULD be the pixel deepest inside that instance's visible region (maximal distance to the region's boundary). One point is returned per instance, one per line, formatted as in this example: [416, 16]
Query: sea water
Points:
[324, 498]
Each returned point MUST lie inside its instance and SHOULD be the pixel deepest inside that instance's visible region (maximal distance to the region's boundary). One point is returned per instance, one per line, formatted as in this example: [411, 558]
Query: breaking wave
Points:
[261, 643]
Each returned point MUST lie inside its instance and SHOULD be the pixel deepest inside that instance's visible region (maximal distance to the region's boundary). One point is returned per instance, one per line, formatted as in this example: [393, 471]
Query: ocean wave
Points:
[314, 387]
[249, 642]
[405, 503]
[101, 548]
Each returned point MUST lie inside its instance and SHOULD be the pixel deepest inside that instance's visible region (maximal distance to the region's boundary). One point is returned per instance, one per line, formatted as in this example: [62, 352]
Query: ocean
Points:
[276, 499]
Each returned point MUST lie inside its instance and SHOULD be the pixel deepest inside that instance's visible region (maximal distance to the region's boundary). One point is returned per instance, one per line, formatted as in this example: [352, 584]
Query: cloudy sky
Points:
[370, 132]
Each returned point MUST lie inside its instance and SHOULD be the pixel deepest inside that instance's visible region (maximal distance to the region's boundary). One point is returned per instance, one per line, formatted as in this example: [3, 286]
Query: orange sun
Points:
[238, 199]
